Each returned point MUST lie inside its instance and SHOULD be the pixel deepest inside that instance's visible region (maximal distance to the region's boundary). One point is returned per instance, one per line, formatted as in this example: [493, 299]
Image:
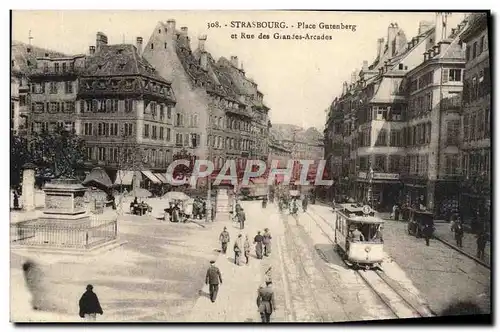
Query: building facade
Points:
[475, 129]
[395, 125]
[216, 102]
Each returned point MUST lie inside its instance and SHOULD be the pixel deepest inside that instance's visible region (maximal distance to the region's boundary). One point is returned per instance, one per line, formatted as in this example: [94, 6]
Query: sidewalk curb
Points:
[462, 252]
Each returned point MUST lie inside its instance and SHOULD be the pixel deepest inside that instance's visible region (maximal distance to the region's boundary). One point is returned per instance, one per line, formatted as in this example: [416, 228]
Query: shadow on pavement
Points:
[328, 254]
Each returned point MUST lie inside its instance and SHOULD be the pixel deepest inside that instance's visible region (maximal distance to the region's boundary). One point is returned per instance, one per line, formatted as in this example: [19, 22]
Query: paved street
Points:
[155, 276]
[469, 244]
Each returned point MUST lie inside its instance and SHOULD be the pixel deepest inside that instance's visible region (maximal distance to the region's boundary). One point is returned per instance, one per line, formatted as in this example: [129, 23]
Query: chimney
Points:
[171, 26]
[391, 36]
[424, 26]
[344, 88]
[234, 61]
[203, 55]
[184, 31]
[365, 65]
[354, 77]
[241, 68]
[138, 44]
[91, 50]
[380, 43]
[439, 28]
[201, 42]
[101, 39]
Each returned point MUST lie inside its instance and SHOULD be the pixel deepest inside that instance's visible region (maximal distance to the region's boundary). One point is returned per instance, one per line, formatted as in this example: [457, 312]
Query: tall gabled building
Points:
[125, 111]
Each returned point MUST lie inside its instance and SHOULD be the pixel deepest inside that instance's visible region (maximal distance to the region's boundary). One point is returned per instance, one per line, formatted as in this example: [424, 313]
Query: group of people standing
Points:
[242, 247]
[183, 211]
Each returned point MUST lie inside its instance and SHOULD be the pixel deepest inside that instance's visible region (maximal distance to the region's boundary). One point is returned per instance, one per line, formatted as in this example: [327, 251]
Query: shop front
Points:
[385, 190]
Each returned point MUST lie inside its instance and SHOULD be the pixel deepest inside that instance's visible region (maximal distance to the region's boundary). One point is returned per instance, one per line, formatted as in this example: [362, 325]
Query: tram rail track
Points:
[387, 290]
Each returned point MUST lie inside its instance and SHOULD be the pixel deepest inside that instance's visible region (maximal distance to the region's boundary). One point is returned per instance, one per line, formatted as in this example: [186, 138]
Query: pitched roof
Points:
[120, 60]
[20, 54]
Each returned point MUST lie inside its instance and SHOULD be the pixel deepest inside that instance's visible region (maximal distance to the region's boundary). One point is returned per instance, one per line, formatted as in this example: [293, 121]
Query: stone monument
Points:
[65, 222]
[28, 187]
[223, 205]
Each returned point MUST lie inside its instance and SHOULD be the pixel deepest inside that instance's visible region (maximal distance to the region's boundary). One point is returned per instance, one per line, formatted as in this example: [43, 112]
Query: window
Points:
[381, 138]
[101, 154]
[113, 130]
[394, 161]
[401, 66]
[165, 45]
[168, 134]
[162, 112]
[452, 132]
[395, 87]
[481, 45]
[178, 139]
[53, 87]
[128, 105]
[153, 109]
[467, 53]
[39, 107]
[152, 46]
[474, 89]
[395, 135]
[128, 129]
[53, 107]
[162, 133]
[56, 67]
[169, 112]
[87, 129]
[487, 123]
[451, 164]
[474, 50]
[472, 122]
[186, 140]
[178, 120]
[380, 162]
[89, 153]
[146, 131]
[64, 67]
[455, 75]
[69, 107]
[153, 134]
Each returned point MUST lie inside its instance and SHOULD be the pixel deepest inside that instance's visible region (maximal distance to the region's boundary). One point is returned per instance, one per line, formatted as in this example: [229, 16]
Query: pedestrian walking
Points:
[238, 247]
[459, 233]
[265, 302]
[89, 305]
[258, 240]
[246, 247]
[482, 239]
[224, 239]
[266, 240]
[241, 218]
[304, 203]
[427, 233]
[213, 279]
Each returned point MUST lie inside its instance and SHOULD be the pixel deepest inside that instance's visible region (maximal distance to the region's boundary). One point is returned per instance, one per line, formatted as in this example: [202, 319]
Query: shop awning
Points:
[124, 178]
[259, 180]
[151, 177]
[161, 177]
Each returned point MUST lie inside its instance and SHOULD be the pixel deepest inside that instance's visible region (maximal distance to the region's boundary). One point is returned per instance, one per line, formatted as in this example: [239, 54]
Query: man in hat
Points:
[266, 239]
[238, 248]
[213, 279]
[265, 302]
[89, 305]
[224, 239]
[241, 218]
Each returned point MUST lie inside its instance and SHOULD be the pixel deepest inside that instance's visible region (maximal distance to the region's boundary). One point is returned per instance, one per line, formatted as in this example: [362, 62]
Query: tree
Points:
[183, 170]
[19, 155]
[58, 153]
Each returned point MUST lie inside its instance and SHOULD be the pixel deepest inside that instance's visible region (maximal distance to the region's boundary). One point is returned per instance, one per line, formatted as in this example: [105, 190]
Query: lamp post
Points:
[209, 179]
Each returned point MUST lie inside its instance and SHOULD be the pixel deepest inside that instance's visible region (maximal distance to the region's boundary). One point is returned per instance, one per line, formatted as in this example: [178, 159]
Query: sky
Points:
[299, 78]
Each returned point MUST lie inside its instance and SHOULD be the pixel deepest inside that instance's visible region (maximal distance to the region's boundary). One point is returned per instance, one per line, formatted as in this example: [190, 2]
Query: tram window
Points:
[372, 232]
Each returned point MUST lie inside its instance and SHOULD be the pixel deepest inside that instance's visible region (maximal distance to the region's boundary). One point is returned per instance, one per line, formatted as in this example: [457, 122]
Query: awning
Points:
[124, 178]
[161, 177]
[151, 177]
[259, 180]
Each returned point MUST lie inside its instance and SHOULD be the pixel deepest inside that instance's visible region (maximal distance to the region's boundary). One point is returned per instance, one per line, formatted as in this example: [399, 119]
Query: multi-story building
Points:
[23, 61]
[125, 111]
[222, 107]
[475, 123]
[53, 90]
[430, 169]
[387, 131]
[278, 152]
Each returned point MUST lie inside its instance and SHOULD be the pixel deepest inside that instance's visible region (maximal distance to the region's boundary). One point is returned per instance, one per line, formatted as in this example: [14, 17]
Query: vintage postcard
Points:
[250, 166]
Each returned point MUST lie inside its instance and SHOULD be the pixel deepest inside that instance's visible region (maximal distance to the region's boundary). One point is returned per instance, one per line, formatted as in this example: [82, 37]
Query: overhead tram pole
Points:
[209, 178]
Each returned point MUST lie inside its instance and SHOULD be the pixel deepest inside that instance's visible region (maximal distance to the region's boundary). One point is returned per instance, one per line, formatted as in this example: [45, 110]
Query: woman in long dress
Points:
[246, 247]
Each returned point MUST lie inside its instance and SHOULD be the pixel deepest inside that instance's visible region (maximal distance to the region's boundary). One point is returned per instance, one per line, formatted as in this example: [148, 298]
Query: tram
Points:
[358, 236]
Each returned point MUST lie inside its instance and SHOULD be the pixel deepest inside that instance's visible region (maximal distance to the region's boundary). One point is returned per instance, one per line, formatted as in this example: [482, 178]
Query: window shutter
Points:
[446, 74]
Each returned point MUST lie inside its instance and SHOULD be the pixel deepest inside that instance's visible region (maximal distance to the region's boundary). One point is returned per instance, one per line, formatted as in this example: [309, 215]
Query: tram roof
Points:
[366, 220]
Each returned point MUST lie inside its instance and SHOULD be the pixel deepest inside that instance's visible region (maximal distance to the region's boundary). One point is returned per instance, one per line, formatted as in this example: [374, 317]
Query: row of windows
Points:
[420, 105]
[158, 110]
[188, 140]
[385, 113]
[476, 125]
[53, 87]
[477, 86]
[452, 132]
[152, 157]
[156, 132]
[59, 67]
[477, 162]
[218, 142]
[53, 107]
[108, 105]
[39, 127]
[478, 47]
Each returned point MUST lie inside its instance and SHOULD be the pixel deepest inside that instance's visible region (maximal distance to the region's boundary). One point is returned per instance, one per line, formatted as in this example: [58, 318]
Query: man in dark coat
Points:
[213, 279]
[258, 239]
[89, 305]
[241, 218]
[459, 233]
[427, 233]
[224, 239]
[482, 239]
[265, 302]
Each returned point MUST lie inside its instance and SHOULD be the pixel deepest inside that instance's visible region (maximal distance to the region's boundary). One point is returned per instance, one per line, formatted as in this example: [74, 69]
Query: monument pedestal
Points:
[223, 205]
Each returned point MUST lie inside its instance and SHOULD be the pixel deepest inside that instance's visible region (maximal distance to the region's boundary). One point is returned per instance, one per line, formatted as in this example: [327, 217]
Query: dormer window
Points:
[159, 30]
[47, 55]
[401, 66]
[99, 66]
[121, 66]
[119, 51]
